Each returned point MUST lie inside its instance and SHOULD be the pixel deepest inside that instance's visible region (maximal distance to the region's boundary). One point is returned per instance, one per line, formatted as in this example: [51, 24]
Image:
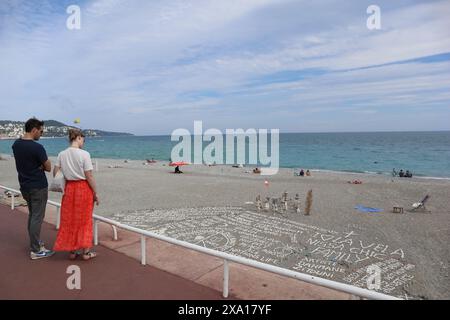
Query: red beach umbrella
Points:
[178, 163]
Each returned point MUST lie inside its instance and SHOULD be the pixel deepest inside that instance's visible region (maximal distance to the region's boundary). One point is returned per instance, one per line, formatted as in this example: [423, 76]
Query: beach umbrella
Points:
[178, 163]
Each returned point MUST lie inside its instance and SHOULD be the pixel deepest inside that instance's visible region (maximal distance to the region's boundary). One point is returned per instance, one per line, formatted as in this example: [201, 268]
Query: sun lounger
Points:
[420, 206]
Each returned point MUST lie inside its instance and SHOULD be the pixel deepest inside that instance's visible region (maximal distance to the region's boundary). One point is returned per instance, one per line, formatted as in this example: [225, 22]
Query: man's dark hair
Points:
[33, 123]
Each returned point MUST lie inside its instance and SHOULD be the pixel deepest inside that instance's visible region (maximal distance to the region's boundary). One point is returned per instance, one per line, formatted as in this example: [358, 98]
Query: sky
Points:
[150, 67]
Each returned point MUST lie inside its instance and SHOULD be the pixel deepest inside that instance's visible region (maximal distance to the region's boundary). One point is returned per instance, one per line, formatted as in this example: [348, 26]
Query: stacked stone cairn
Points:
[282, 204]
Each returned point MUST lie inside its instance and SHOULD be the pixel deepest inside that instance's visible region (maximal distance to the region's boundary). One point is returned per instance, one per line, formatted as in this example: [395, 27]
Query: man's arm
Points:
[47, 165]
[42, 158]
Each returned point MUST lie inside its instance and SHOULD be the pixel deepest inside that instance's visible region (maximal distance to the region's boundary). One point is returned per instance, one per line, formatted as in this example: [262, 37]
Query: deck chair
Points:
[420, 206]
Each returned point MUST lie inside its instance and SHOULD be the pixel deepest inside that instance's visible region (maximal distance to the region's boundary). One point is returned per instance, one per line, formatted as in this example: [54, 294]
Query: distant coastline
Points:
[53, 129]
[60, 137]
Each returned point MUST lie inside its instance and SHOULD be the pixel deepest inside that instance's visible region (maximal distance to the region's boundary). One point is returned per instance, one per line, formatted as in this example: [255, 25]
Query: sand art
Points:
[340, 256]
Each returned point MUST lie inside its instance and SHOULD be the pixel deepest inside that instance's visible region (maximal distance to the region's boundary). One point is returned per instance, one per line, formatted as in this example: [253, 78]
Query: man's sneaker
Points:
[41, 254]
[42, 247]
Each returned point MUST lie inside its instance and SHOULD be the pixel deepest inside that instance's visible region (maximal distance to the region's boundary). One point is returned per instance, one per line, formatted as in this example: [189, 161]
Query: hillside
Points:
[53, 128]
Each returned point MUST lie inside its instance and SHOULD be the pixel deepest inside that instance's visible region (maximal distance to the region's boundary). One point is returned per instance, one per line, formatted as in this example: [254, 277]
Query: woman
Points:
[80, 193]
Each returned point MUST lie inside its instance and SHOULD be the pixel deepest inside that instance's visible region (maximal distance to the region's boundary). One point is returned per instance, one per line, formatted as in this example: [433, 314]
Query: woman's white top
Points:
[74, 162]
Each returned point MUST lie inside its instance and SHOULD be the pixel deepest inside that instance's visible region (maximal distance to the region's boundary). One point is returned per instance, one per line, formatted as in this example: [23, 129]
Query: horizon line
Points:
[318, 132]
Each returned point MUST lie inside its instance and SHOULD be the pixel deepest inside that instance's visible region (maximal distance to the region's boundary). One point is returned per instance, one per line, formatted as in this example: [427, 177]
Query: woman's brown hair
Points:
[75, 133]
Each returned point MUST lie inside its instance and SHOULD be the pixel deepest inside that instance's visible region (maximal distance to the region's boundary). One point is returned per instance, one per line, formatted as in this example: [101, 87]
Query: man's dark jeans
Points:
[37, 201]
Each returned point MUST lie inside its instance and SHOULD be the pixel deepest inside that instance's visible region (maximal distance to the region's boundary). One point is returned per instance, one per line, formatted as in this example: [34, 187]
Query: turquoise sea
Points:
[423, 153]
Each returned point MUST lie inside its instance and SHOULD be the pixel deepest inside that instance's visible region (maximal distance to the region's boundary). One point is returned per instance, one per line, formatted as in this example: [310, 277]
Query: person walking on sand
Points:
[31, 164]
[80, 193]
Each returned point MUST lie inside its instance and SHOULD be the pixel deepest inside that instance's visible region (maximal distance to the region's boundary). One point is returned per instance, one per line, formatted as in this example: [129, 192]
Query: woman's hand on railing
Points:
[96, 199]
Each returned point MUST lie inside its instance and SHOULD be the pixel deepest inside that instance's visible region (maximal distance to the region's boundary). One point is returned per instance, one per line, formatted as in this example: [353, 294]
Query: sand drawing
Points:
[337, 255]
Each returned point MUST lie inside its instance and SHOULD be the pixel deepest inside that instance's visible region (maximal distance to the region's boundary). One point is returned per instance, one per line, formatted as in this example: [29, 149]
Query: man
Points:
[394, 173]
[31, 164]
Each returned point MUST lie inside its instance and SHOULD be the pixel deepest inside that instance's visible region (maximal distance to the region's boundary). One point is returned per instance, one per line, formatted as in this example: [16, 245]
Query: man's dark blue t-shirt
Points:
[30, 157]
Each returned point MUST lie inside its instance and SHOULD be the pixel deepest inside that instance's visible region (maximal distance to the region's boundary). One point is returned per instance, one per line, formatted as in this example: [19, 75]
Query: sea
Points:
[425, 154]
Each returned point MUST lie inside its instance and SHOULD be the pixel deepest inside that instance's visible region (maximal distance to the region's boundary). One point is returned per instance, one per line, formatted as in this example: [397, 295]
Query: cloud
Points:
[264, 61]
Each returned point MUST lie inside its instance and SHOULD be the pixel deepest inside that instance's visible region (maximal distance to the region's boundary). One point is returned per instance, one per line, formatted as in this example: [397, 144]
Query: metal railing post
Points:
[226, 277]
[143, 250]
[96, 232]
[58, 217]
[114, 233]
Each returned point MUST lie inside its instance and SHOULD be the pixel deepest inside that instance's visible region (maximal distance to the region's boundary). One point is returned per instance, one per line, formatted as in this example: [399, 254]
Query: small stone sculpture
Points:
[297, 203]
[267, 204]
[258, 203]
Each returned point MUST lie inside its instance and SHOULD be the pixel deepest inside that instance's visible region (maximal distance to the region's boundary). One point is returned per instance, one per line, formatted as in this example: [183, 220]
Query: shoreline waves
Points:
[342, 172]
[425, 154]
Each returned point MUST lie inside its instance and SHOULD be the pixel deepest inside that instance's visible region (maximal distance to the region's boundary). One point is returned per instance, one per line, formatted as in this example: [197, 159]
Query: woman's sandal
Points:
[74, 255]
[89, 255]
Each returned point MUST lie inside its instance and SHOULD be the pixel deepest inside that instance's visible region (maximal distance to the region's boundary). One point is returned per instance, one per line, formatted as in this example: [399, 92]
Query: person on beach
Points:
[80, 193]
[401, 174]
[177, 169]
[31, 164]
[302, 173]
[308, 173]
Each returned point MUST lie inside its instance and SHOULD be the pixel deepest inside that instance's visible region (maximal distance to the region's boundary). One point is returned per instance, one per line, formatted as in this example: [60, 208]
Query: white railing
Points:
[57, 205]
[357, 291]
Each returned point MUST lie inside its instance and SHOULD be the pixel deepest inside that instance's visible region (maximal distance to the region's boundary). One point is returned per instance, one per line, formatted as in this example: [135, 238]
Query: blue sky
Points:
[149, 67]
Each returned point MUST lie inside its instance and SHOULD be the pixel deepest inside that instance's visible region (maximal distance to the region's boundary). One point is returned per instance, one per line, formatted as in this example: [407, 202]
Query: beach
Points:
[212, 206]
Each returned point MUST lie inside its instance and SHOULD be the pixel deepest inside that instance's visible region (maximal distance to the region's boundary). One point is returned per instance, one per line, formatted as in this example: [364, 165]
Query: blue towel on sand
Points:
[367, 209]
